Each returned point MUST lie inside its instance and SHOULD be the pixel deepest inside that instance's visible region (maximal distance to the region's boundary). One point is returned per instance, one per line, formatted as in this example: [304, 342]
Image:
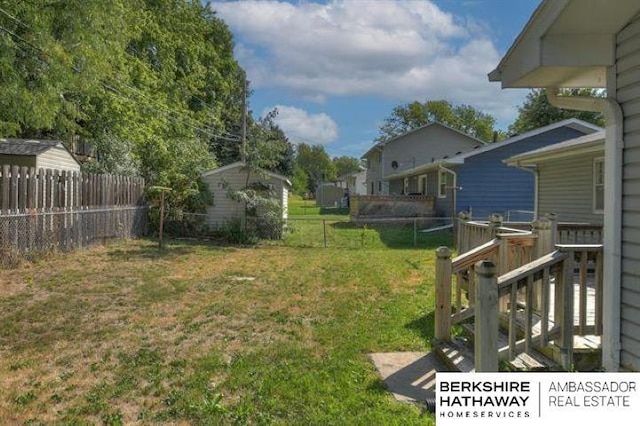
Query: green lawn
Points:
[204, 334]
[310, 226]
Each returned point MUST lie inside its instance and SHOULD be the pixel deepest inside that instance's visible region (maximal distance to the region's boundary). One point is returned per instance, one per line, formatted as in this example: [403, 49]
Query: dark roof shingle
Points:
[26, 146]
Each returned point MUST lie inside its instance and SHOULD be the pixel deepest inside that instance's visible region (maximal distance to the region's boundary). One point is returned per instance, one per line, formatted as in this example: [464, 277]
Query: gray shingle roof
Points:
[25, 146]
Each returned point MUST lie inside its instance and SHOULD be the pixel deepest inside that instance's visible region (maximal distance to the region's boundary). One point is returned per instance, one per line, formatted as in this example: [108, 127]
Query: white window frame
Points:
[442, 189]
[595, 186]
[405, 186]
[422, 188]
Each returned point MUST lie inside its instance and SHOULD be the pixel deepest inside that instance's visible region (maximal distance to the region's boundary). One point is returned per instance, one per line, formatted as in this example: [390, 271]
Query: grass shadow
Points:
[397, 235]
[170, 250]
[423, 326]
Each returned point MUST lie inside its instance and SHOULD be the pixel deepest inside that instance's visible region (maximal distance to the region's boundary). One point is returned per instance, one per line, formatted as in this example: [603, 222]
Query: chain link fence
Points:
[30, 234]
[333, 232]
[418, 232]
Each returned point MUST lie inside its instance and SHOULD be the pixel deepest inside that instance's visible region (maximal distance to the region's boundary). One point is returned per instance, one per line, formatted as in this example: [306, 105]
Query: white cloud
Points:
[300, 126]
[404, 50]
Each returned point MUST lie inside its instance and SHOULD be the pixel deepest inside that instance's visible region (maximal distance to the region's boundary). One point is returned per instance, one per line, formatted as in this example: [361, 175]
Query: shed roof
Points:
[26, 146]
[239, 164]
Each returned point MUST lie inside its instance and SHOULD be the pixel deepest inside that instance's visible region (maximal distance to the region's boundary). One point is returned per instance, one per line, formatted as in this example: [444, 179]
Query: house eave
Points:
[532, 159]
[561, 47]
[425, 168]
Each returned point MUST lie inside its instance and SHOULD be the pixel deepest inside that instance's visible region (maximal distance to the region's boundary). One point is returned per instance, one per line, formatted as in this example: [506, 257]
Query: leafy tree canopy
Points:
[536, 111]
[315, 161]
[416, 114]
[345, 165]
[149, 83]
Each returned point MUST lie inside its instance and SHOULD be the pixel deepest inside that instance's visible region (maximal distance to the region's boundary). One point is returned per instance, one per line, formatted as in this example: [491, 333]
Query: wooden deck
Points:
[580, 342]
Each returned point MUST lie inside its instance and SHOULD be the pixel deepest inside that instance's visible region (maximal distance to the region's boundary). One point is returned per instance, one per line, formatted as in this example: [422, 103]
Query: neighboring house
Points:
[478, 181]
[569, 178]
[40, 154]
[355, 183]
[589, 43]
[233, 177]
[409, 150]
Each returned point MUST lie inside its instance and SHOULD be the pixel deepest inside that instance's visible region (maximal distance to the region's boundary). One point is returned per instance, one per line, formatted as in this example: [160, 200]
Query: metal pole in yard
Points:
[162, 190]
[324, 231]
[161, 216]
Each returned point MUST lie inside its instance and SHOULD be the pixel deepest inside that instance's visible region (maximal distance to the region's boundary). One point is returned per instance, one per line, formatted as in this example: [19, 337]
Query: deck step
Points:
[456, 354]
[533, 361]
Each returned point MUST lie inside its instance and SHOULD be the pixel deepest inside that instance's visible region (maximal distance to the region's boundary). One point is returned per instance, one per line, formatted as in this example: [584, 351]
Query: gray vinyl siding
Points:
[374, 172]
[225, 209]
[424, 146]
[628, 94]
[565, 187]
[57, 158]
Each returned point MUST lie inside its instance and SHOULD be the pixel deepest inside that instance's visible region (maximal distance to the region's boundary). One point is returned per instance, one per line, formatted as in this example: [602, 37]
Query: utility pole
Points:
[243, 148]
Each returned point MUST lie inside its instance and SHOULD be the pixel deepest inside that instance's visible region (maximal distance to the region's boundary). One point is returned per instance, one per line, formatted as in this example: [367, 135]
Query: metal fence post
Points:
[415, 232]
[324, 231]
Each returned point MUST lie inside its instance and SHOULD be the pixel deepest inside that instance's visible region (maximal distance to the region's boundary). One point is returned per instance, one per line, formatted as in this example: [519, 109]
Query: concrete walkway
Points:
[410, 376]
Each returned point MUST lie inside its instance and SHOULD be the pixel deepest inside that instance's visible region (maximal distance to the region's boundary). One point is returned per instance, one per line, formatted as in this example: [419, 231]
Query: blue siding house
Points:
[478, 181]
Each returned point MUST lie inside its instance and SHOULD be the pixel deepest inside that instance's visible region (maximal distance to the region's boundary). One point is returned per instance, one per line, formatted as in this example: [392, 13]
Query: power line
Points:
[4, 12]
[20, 39]
[167, 111]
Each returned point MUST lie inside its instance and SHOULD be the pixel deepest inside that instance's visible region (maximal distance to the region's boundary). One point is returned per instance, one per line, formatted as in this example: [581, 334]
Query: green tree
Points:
[345, 165]
[300, 180]
[536, 111]
[315, 161]
[465, 118]
[148, 82]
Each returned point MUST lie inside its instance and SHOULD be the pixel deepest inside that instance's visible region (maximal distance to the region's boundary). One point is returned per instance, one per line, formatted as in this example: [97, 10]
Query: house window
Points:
[405, 186]
[598, 185]
[373, 187]
[379, 186]
[443, 183]
[422, 184]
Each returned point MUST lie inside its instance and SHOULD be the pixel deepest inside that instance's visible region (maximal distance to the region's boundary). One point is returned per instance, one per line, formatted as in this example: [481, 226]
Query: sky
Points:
[336, 69]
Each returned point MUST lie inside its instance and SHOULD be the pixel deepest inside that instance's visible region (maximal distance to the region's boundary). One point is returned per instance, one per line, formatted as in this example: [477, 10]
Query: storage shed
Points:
[233, 177]
[40, 154]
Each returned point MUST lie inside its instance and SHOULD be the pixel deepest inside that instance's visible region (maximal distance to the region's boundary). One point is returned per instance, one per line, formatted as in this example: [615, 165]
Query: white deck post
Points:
[486, 318]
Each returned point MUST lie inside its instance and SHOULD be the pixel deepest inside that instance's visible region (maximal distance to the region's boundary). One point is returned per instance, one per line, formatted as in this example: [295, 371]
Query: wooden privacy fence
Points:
[47, 210]
[24, 188]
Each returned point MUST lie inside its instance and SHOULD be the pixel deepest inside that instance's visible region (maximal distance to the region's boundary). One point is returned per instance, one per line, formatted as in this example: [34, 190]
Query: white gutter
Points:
[612, 238]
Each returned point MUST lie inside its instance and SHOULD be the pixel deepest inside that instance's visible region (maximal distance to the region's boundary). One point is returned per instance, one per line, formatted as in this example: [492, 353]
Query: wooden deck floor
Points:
[580, 342]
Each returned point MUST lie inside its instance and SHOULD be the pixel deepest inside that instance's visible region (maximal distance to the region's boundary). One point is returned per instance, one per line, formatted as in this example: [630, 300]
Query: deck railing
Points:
[473, 233]
[559, 317]
[579, 233]
[507, 250]
[532, 277]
